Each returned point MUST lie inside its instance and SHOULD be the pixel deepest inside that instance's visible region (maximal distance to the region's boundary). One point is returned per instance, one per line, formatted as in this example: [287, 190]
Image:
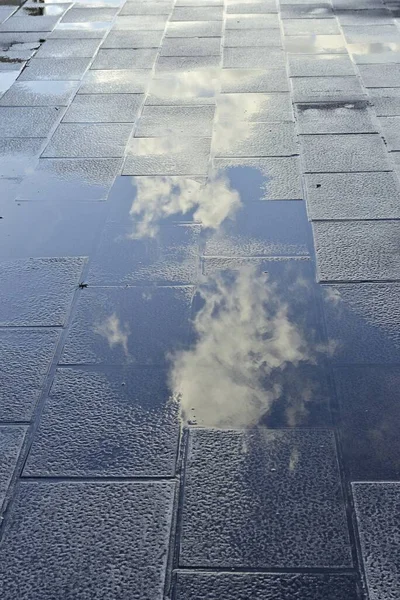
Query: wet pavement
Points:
[199, 300]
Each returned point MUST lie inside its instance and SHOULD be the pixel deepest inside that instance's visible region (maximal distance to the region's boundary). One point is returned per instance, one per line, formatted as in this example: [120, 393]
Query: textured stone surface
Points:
[25, 358]
[386, 101]
[159, 121]
[327, 89]
[255, 139]
[27, 121]
[186, 63]
[104, 108]
[347, 251]
[128, 325]
[325, 65]
[309, 26]
[40, 93]
[115, 81]
[65, 69]
[254, 80]
[311, 10]
[132, 39]
[377, 507]
[90, 534]
[315, 44]
[191, 46]
[82, 15]
[339, 196]
[11, 439]
[391, 131]
[37, 291]
[363, 322]
[213, 586]
[125, 58]
[181, 88]
[252, 58]
[88, 140]
[197, 13]
[335, 118]
[109, 423]
[64, 49]
[263, 499]
[140, 23]
[26, 24]
[251, 21]
[253, 38]
[189, 29]
[376, 76]
[18, 155]
[254, 107]
[344, 153]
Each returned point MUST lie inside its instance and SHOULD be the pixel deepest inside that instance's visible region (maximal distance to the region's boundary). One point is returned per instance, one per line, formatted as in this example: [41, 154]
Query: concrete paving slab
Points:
[335, 118]
[159, 121]
[89, 140]
[26, 356]
[315, 44]
[321, 10]
[197, 13]
[171, 64]
[40, 93]
[380, 76]
[375, 53]
[254, 80]
[11, 439]
[28, 121]
[256, 7]
[327, 89]
[64, 49]
[386, 101]
[310, 26]
[325, 65]
[373, 16]
[371, 34]
[82, 15]
[262, 108]
[18, 156]
[191, 47]
[252, 58]
[115, 81]
[190, 29]
[132, 39]
[148, 8]
[29, 24]
[236, 38]
[140, 23]
[104, 108]
[90, 533]
[255, 139]
[73, 31]
[64, 69]
[181, 88]
[124, 58]
[251, 21]
[391, 131]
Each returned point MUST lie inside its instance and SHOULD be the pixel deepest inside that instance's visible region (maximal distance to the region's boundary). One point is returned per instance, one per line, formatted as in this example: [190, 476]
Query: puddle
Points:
[197, 87]
[314, 44]
[7, 78]
[41, 11]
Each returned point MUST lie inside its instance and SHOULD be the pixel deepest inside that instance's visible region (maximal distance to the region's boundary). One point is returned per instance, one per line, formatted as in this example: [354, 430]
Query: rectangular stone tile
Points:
[120, 81]
[132, 411]
[197, 13]
[64, 49]
[363, 320]
[11, 439]
[73, 31]
[361, 4]
[128, 325]
[386, 101]
[158, 121]
[262, 179]
[25, 357]
[310, 26]
[212, 586]
[141, 58]
[82, 15]
[262, 229]
[251, 21]
[327, 89]
[252, 38]
[372, 34]
[324, 65]
[64, 69]
[191, 47]
[132, 39]
[18, 156]
[375, 53]
[391, 131]
[254, 80]
[255, 139]
[38, 292]
[313, 10]
[377, 509]
[315, 44]
[186, 63]
[7, 78]
[40, 93]
[50, 523]
[140, 23]
[28, 121]
[264, 471]
[148, 8]
[6, 11]
[252, 58]
[335, 118]
[369, 416]
[29, 24]
[189, 29]
[336, 196]
[344, 153]
[31, 9]
[167, 156]
[254, 7]
[254, 107]
[63, 179]
[89, 140]
[373, 16]
[380, 76]
[104, 108]
[184, 87]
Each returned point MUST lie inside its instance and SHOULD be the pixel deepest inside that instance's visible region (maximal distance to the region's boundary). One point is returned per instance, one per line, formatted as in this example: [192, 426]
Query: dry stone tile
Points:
[380, 76]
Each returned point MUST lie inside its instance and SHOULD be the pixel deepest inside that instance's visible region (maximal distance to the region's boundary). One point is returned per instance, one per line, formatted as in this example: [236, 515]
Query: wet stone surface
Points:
[11, 439]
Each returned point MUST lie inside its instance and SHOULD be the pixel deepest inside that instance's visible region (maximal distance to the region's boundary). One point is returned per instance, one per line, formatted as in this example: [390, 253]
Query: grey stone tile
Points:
[391, 131]
[147, 8]
[335, 118]
[327, 89]
[361, 4]
[142, 58]
[191, 47]
[262, 178]
[6, 11]
[132, 411]
[28, 121]
[131, 325]
[159, 121]
[373, 16]
[380, 76]
[337, 196]
[255, 139]
[199, 3]
[310, 26]
[252, 38]
[253, 58]
[189, 29]
[254, 7]
[374, 53]
[120, 81]
[25, 356]
[40, 93]
[377, 509]
[386, 101]
[251, 21]
[372, 34]
[38, 291]
[314, 10]
[104, 108]
[254, 80]
[64, 49]
[184, 87]
[212, 586]
[88, 140]
[187, 63]
[29, 24]
[132, 39]
[64, 69]
[197, 13]
[7, 78]
[50, 523]
[254, 107]
[140, 23]
[369, 414]
[78, 31]
[259, 512]
[18, 155]
[315, 44]
[395, 156]
[167, 156]
[11, 439]
[83, 15]
[344, 153]
[31, 9]
[324, 65]
[70, 180]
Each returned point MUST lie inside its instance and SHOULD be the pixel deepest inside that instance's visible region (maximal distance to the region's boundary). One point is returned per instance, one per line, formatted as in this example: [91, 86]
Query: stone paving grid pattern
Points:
[327, 90]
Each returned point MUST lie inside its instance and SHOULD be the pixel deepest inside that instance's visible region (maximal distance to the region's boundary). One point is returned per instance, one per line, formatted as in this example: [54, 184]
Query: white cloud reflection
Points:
[114, 332]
